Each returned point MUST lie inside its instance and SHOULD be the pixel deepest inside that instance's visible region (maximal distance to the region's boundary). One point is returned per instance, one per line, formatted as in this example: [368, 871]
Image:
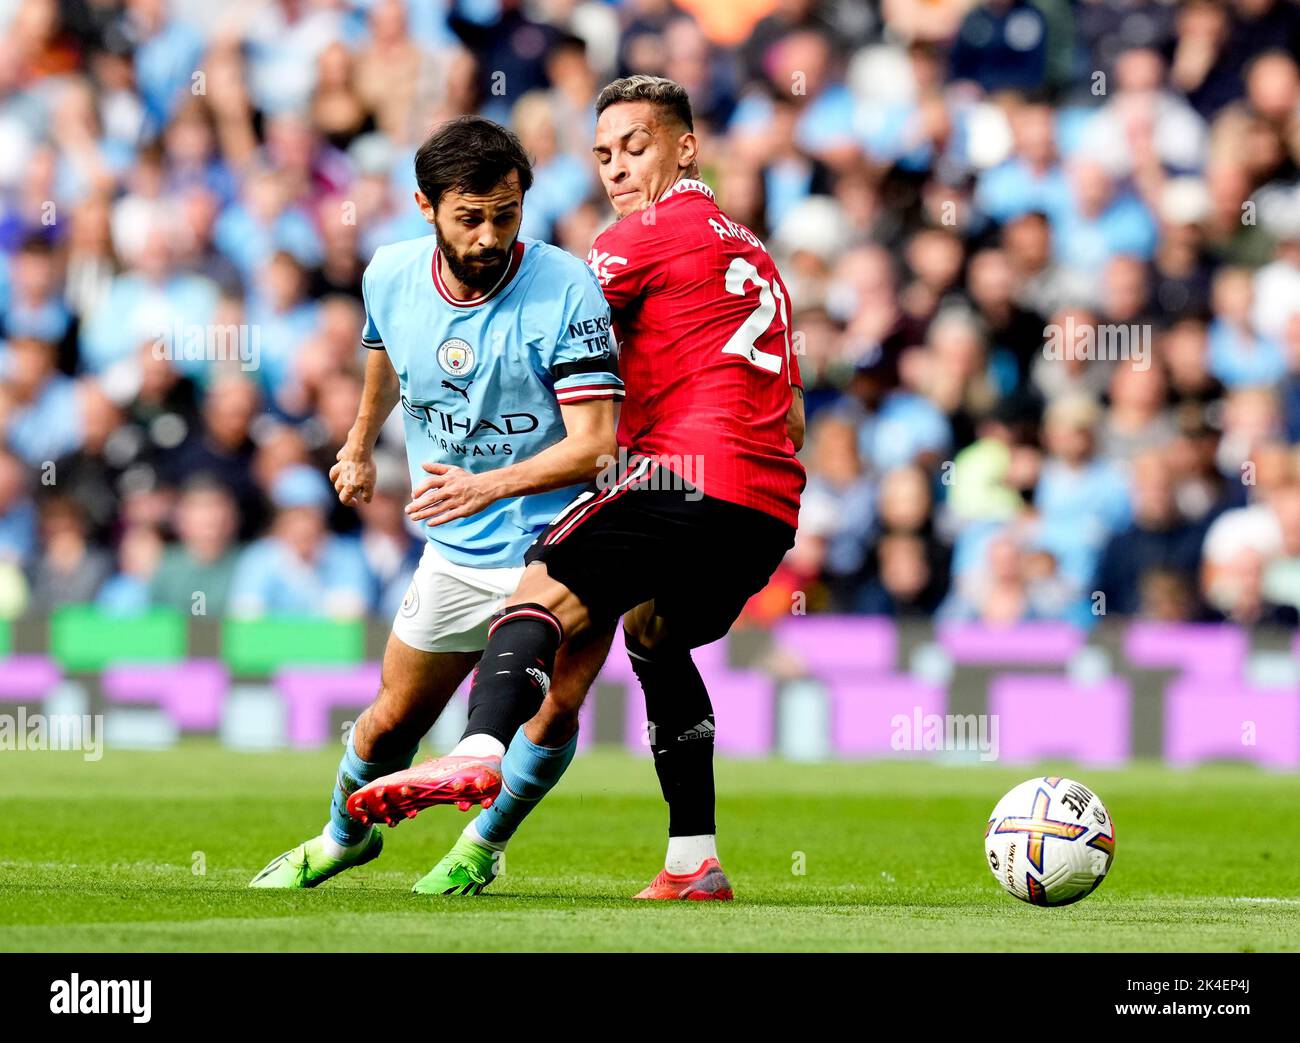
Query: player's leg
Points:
[536, 758]
[680, 728]
[521, 658]
[568, 583]
[415, 686]
[522, 642]
[436, 639]
[659, 638]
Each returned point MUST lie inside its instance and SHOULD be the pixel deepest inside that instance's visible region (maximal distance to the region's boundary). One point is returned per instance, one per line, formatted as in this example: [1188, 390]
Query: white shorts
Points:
[447, 606]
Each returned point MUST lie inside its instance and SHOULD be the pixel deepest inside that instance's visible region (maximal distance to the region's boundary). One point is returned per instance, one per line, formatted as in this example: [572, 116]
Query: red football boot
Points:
[707, 884]
[463, 781]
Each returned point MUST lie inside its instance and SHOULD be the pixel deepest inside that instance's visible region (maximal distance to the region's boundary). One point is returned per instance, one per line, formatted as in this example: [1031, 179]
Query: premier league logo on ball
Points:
[456, 357]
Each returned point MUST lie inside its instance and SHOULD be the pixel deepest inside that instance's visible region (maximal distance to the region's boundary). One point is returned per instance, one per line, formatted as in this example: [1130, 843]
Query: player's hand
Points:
[447, 494]
[353, 476]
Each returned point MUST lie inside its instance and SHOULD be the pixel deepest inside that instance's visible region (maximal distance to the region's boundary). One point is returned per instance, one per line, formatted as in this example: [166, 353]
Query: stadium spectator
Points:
[126, 592]
[1001, 45]
[68, 569]
[838, 505]
[909, 564]
[1014, 331]
[194, 575]
[1081, 497]
[94, 471]
[896, 426]
[146, 303]
[38, 408]
[35, 308]
[1137, 419]
[390, 548]
[222, 446]
[17, 512]
[1157, 541]
[1239, 354]
[967, 202]
[1042, 286]
[1032, 179]
[1099, 219]
[300, 569]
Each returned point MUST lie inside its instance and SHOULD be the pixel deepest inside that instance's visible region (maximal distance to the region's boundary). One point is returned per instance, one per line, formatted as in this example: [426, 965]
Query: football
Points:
[1050, 841]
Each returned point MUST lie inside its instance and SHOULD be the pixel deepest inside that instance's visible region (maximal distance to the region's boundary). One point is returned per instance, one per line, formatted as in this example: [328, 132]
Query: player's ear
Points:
[688, 147]
[426, 208]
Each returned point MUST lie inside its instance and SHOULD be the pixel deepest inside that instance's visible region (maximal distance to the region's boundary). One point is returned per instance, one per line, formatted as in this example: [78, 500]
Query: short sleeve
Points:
[583, 360]
[370, 335]
[620, 270]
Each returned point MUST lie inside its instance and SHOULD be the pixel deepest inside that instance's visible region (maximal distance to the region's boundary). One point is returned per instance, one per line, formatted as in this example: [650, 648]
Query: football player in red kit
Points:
[681, 531]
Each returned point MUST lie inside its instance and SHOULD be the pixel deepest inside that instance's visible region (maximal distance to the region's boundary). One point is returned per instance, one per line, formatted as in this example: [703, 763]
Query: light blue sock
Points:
[353, 774]
[528, 773]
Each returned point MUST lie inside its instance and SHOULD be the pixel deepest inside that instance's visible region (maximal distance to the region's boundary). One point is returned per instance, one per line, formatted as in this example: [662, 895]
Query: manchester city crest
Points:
[411, 603]
[456, 357]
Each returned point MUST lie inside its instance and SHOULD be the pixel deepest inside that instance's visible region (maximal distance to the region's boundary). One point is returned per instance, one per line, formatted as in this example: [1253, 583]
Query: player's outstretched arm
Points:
[588, 443]
[354, 474]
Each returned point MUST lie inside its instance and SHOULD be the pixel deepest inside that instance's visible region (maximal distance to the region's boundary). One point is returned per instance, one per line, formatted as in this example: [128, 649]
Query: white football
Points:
[1050, 841]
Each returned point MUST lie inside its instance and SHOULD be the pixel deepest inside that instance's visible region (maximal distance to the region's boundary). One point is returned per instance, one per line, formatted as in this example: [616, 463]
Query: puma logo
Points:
[462, 391]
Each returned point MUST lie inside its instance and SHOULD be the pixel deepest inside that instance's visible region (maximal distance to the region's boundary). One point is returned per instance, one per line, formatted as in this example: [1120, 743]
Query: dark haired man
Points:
[690, 525]
[499, 351]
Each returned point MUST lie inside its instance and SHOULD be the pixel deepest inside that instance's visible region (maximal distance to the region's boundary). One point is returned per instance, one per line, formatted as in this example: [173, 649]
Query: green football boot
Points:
[464, 870]
[308, 865]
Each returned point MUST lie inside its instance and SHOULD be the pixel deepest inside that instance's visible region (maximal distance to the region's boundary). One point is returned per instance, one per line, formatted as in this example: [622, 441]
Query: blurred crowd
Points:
[1044, 258]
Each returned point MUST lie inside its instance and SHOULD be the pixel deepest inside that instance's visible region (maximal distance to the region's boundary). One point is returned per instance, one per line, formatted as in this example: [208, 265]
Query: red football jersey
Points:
[703, 324]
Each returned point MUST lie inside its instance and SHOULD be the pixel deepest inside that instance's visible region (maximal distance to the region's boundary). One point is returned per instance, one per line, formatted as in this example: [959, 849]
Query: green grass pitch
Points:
[146, 851]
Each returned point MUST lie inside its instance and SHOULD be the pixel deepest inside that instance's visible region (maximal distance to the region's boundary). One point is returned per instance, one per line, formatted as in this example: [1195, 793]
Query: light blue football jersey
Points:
[482, 381]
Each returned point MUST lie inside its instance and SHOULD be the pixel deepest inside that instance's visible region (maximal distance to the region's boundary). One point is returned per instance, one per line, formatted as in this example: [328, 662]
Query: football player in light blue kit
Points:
[499, 351]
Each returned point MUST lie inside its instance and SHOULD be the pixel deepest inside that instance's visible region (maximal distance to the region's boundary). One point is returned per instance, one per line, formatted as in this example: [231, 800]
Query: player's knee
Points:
[645, 631]
[539, 590]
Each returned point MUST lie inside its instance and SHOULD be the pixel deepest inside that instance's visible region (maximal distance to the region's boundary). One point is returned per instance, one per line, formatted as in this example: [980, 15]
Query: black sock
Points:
[681, 734]
[515, 671]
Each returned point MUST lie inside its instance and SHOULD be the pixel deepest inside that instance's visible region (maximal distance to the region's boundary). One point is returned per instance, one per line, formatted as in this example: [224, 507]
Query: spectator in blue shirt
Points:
[283, 318]
[146, 305]
[167, 54]
[1081, 499]
[896, 426]
[560, 181]
[126, 592]
[17, 512]
[43, 421]
[32, 306]
[262, 222]
[1099, 220]
[1239, 355]
[1031, 179]
[301, 569]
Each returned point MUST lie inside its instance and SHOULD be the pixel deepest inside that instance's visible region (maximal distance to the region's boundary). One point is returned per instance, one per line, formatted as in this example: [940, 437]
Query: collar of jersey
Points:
[512, 269]
[687, 184]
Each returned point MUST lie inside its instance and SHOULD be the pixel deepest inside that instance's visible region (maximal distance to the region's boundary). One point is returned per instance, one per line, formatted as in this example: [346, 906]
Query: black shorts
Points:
[651, 536]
